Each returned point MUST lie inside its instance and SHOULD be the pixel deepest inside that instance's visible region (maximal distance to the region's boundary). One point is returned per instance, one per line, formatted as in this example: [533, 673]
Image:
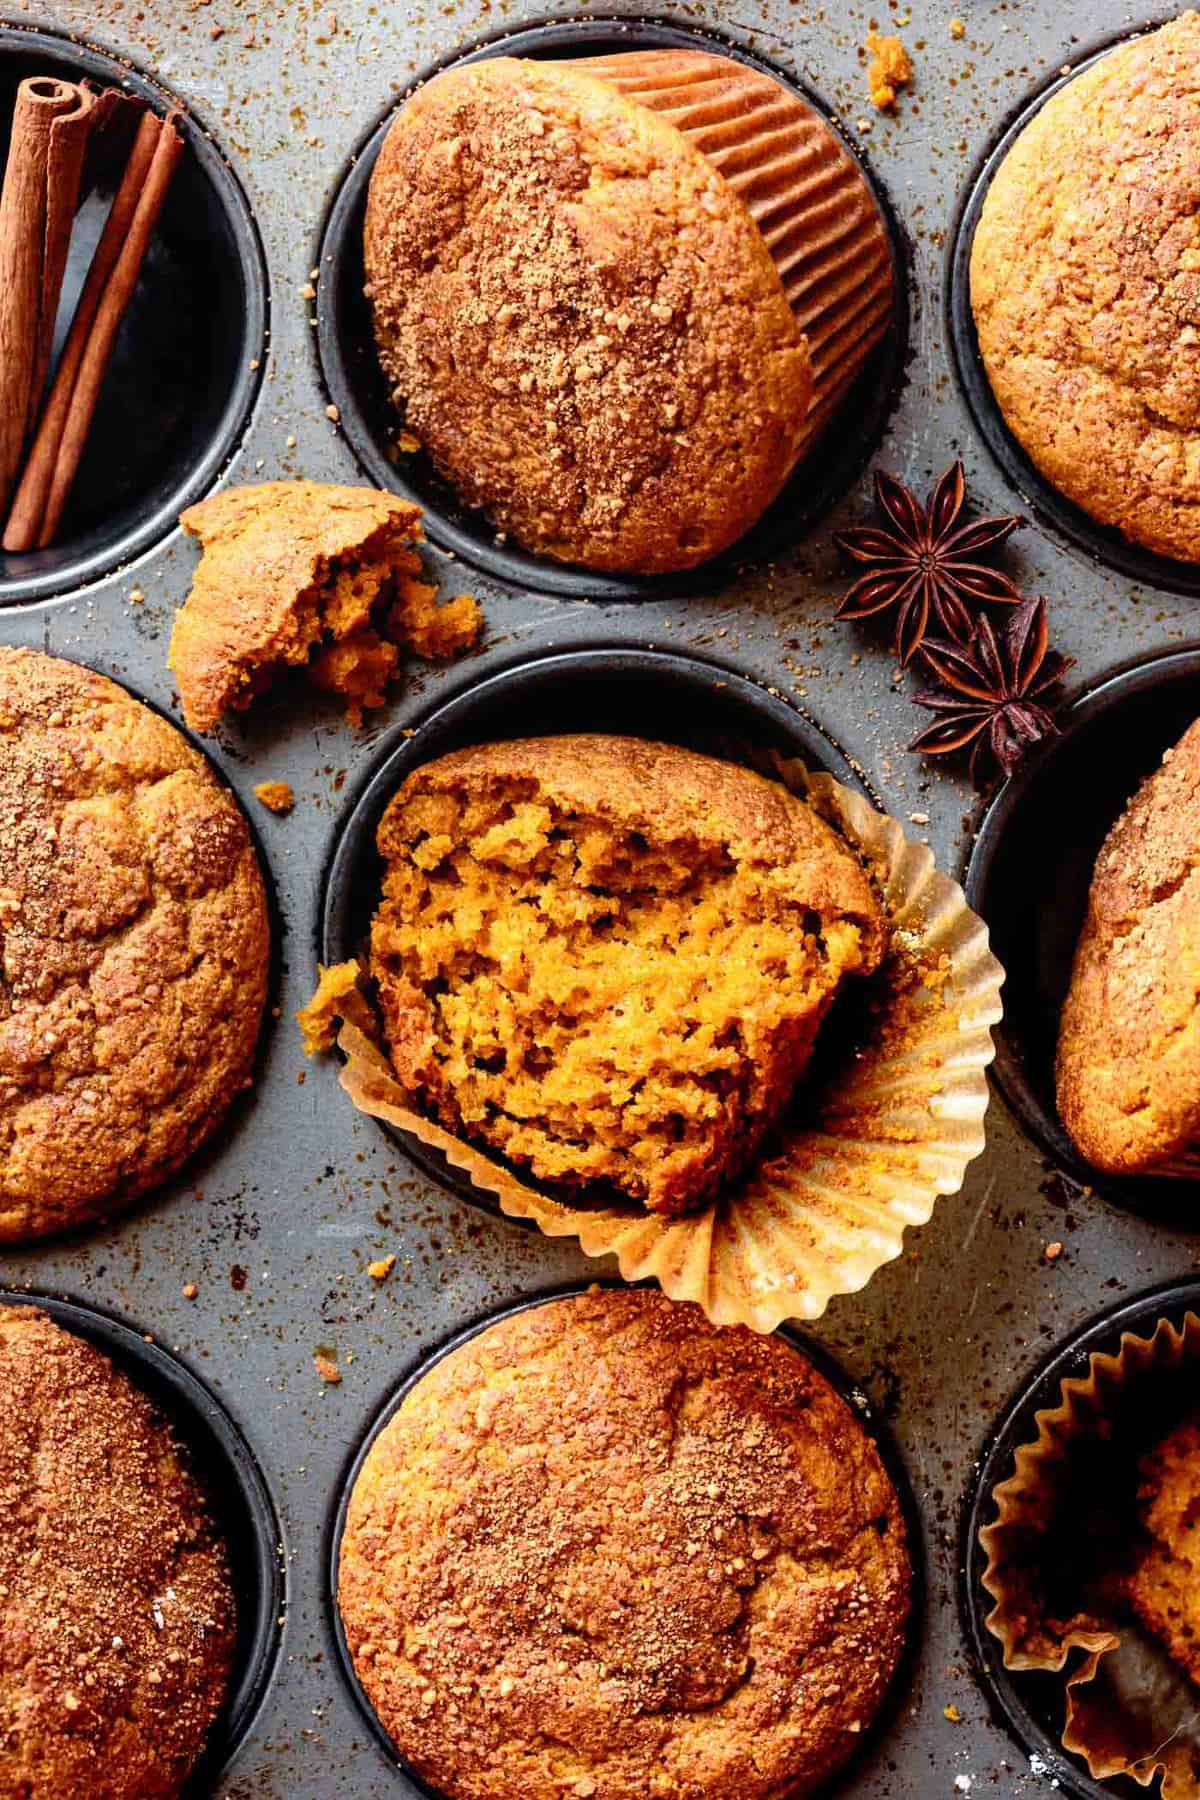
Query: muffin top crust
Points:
[134, 946]
[114, 1587]
[609, 959]
[580, 319]
[604, 1548]
[1085, 285]
[1129, 1043]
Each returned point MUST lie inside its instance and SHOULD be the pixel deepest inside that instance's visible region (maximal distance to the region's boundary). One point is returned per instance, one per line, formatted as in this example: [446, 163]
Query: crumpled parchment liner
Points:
[1129, 1710]
[897, 1127]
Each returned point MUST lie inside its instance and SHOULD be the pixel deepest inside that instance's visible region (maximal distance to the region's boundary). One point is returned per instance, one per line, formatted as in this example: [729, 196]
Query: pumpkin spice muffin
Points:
[610, 959]
[133, 926]
[304, 574]
[1129, 1041]
[118, 1610]
[1165, 1586]
[1085, 285]
[580, 319]
[605, 1549]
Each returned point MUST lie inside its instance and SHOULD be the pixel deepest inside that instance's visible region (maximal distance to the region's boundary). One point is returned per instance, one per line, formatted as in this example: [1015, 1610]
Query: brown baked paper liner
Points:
[1128, 1709]
[895, 1126]
[810, 200]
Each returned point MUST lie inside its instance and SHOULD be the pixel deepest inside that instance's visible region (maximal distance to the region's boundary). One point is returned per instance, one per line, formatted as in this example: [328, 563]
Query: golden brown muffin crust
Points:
[134, 946]
[580, 319]
[118, 1612]
[1085, 284]
[1129, 1041]
[610, 959]
[605, 1549]
[305, 574]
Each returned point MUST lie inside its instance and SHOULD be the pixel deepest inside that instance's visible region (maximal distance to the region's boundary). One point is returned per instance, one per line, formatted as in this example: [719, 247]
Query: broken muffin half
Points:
[301, 574]
[609, 959]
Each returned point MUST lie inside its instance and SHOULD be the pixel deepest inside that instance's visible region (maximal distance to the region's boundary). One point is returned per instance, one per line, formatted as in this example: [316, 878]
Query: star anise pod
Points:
[925, 563]
[990, 690]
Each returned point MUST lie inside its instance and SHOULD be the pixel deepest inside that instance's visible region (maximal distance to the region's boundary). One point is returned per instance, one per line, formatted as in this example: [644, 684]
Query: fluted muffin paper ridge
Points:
[1127, 1711]
[811, 201]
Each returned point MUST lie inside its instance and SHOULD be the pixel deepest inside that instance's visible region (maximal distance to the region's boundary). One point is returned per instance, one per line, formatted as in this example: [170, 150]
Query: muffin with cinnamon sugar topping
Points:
[605, 1549]
[118, 1611]
[581, 319]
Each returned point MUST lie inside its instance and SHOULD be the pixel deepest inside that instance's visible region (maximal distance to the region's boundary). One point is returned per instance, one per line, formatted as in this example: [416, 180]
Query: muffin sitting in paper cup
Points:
[1128, 1068]
[1092, 1564]
[617, 299]
[603, 967]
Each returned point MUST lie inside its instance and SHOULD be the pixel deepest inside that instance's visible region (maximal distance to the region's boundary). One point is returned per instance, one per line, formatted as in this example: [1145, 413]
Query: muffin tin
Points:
[278, 1219]
[1030, 880]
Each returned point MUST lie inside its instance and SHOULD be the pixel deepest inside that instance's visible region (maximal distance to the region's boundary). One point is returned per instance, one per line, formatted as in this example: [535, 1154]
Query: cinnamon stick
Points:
[50, 127]
[29, 506]
[91, 361]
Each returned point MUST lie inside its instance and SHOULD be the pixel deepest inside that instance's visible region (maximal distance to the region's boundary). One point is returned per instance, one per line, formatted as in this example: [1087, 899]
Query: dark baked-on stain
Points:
[134, 946]
[1085, 284]
[606, 1549]
[610, 959]
[580, 319]
[115, 1596]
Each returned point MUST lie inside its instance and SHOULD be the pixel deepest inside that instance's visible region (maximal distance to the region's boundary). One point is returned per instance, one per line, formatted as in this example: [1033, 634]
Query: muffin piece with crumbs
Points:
[1165, 1586]
[300, 574]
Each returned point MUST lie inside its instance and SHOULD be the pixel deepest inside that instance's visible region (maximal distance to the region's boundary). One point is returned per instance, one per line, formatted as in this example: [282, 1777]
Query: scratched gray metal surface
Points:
[303, 1193]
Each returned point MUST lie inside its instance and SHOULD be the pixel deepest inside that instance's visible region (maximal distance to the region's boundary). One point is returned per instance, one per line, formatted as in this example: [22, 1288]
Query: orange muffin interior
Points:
[600, 1000]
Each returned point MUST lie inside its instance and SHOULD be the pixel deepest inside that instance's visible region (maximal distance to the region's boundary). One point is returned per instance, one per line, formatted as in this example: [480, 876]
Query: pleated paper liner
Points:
[807, 195]
[895, 1125]
[1060, 1549]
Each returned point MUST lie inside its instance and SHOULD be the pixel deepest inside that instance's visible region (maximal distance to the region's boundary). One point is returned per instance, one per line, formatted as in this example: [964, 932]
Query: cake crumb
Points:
[1053, 1251]
[379, 1271]
[318, 1020]
[951, 1713]
[276, 796]
[327, 1368]
[190, 1290]
[958, 28]
[890, 69]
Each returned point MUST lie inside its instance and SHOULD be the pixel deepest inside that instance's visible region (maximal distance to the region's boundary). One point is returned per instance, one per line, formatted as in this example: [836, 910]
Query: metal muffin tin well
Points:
[187, 362]
[357, 386]
[275, 1223]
